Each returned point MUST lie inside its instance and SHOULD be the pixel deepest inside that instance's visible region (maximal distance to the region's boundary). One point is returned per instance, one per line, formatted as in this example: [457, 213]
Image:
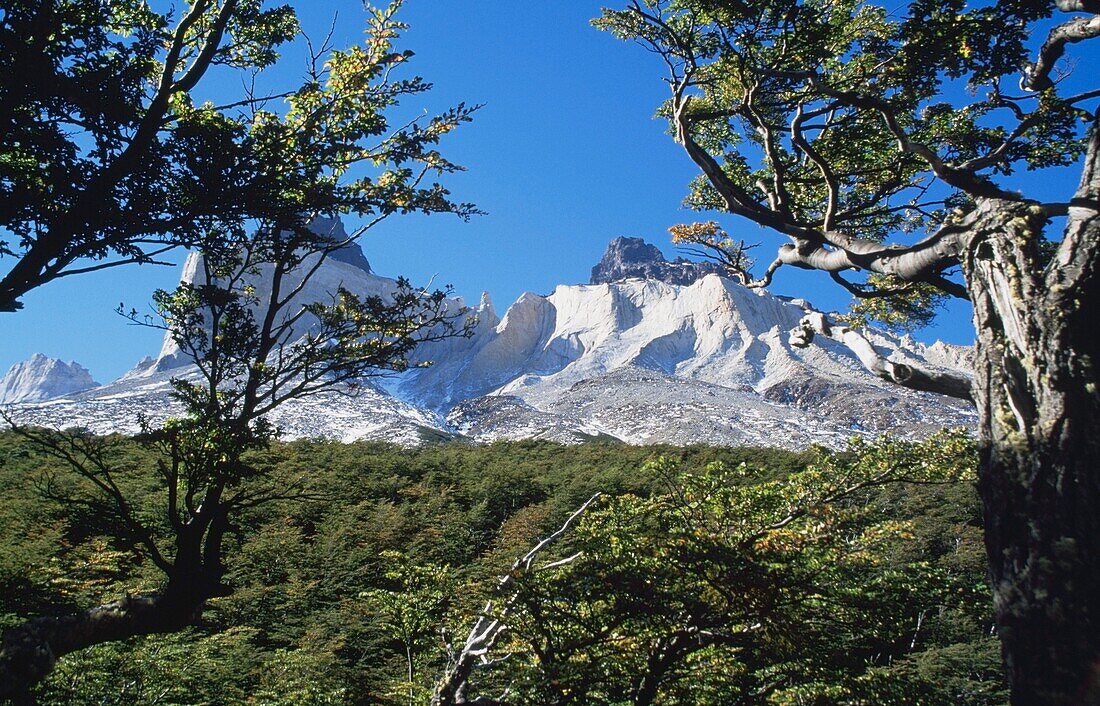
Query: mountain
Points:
[347, 268]
[633, 258]
[665, 357]
[41, 378]
[646, 361]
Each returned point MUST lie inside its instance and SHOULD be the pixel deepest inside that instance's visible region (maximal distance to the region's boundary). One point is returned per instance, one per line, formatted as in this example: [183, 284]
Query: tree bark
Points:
[30, 651]
[1036, 383]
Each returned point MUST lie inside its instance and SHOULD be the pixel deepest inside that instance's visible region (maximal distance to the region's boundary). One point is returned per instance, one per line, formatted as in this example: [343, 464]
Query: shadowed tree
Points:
[106, 156]
[251, 341]
[882, 142]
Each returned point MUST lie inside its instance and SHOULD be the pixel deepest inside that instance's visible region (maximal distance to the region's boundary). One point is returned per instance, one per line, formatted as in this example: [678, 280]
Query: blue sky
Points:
[564, 156]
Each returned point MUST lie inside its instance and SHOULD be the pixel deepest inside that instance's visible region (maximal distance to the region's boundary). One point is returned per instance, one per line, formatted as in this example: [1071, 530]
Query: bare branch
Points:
[737, 200]
[209, 48]
[799, 139]
[766, 279]
[1037, 75]
[963, 179]
[941, 382]
[143, 259]
[451, 690]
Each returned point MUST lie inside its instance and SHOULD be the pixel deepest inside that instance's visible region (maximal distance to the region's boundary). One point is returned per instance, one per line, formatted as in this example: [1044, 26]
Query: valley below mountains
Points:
[650, 352]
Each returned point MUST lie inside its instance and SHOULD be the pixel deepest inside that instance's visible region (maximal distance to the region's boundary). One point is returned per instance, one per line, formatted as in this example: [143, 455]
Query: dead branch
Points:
[815, 323]
[490, 625]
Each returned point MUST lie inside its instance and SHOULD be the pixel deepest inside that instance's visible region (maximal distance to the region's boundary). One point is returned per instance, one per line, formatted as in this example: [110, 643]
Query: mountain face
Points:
[40, 378]
[345, 268]
[638, 359]
[350, 254]
[648, 362]
[633, 258]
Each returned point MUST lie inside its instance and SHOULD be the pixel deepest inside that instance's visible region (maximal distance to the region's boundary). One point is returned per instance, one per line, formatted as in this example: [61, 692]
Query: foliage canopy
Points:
[877, 596]
[109, 155]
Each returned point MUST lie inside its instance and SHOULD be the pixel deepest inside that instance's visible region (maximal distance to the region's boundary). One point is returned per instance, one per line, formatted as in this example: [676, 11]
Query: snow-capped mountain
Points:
[673, 356]
[646, 361]
[41, 378]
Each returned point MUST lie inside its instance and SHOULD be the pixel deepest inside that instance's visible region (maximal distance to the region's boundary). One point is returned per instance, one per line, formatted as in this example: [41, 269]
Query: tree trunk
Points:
[1036, 382]
[30, 651]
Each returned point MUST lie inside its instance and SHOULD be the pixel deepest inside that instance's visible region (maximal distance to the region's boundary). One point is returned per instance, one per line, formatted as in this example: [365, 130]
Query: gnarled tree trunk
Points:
[1036, 387]
[30, 651]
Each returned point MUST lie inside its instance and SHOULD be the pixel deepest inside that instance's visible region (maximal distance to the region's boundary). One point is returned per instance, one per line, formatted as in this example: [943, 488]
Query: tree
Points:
[410, 611]
[821, 586]
[886, 144]
[107, 157]
[252, 342]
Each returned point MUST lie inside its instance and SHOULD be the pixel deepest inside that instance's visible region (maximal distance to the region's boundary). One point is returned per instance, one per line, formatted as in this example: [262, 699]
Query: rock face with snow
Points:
[638, 359]
[633, 258]
[345, 268]
[40, 378]
[119, 406]
[645, 362]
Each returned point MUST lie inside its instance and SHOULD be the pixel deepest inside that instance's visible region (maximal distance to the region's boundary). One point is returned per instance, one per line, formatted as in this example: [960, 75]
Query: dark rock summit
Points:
[352, 253]
[633, 258]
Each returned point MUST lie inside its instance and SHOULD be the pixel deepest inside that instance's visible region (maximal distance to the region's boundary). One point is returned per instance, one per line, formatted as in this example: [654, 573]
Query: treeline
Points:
[699, 576]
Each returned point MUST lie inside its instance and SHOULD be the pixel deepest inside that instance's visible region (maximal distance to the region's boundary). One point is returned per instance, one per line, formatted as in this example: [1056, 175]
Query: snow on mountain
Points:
[645, 361]
[637, 359]
[346, 415]
[41, 378]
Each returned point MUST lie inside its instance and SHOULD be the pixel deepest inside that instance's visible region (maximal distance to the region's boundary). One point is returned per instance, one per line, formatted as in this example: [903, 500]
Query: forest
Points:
[815, 577]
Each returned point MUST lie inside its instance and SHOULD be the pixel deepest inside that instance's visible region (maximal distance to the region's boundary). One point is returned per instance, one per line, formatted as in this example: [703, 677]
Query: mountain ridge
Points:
[40, 378]
[641, 360]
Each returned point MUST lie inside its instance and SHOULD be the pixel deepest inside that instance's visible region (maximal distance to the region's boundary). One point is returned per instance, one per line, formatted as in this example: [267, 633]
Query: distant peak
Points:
[41, 378]
[634, 258]
[632, 250]
[350, 254]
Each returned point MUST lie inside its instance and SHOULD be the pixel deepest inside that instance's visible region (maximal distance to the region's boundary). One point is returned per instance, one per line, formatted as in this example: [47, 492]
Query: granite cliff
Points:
[660, 351]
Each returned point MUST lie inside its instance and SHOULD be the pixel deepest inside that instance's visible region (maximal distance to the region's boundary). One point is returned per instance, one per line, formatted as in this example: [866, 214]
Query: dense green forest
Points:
[699, 576]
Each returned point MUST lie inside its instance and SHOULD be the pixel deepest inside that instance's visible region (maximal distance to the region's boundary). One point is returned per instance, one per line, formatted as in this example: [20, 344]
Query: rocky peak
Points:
[345, 268]
[352, 253]
[632, 251]
[633, 258]
[42, 378]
